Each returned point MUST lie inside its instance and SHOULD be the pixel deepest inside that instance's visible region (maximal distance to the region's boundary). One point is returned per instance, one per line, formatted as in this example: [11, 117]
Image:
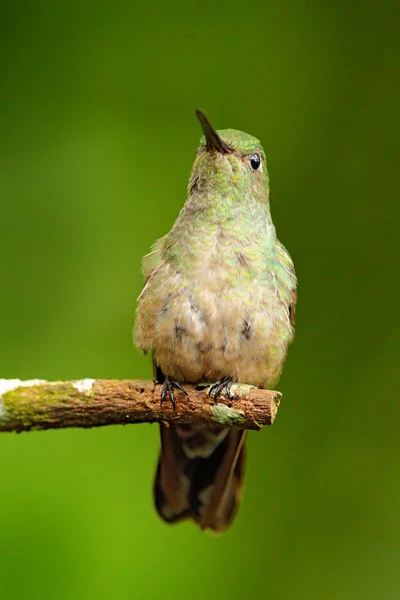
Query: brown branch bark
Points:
[93, 403]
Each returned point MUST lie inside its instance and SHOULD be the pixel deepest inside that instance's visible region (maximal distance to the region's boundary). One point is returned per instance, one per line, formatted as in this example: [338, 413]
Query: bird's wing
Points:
[152, 259]
[151, 263]
[289, 277]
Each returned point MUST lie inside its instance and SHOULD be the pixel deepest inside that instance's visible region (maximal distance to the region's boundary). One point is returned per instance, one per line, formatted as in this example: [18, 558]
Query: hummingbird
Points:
[217, 306]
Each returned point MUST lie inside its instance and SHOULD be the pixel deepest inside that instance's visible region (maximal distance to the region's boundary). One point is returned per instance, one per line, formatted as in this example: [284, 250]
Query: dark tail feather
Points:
[199, 475]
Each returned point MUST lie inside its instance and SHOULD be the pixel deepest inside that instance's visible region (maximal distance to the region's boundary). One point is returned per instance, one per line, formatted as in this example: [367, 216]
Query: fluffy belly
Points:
[201, 335]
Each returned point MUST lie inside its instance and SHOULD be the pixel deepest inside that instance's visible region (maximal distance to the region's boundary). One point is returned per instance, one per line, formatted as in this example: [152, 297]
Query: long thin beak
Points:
[213, 141]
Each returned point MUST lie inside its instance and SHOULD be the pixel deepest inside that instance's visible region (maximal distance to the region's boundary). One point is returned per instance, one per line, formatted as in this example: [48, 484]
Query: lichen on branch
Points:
[38, 404]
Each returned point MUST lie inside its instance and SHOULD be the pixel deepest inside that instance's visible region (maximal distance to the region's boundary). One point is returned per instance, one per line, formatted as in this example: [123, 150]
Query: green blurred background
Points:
[97, 138]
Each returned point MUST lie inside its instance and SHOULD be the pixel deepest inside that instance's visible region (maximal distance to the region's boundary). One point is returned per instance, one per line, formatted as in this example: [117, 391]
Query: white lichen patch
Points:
[7, 385]
[84, 386]
[241, 389]
[226, 415]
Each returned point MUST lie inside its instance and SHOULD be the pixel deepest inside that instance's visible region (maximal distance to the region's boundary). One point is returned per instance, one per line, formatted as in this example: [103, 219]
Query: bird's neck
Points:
[210, 228]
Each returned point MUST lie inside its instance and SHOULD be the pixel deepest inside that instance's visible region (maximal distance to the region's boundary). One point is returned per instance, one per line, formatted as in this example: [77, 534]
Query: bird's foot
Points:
[168, 388]
[225, 383]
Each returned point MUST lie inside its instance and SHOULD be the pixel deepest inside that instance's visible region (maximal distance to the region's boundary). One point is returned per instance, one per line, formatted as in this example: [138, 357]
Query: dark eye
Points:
[255, 161]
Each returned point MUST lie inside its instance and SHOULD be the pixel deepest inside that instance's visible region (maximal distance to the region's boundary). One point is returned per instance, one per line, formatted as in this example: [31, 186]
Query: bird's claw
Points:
[168, 388]
[216, 389]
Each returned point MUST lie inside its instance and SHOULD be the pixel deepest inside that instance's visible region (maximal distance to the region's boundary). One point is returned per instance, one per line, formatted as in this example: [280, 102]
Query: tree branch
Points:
[38, 404]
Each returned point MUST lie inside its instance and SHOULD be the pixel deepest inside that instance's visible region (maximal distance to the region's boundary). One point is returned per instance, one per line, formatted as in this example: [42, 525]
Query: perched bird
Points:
[217, 306]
